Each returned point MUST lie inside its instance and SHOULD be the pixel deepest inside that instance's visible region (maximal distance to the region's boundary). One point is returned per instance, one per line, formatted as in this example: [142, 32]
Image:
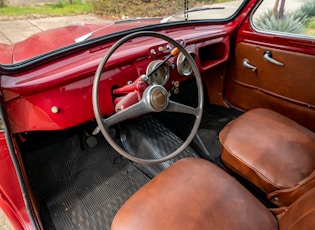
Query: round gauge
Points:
[160, 76]
[183, 65]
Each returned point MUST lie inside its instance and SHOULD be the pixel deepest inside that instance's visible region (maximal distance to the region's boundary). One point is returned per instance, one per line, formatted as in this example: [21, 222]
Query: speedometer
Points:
[161, 75]
[183, 66]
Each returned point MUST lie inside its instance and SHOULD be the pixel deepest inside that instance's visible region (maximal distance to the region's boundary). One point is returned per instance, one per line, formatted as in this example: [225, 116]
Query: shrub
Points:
[290, 22]
[308, 9]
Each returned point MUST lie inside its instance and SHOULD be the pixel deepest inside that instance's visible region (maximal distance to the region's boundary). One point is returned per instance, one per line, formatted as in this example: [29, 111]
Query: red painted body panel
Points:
[47, 41]
[304, 45]
[6, 53]
[11, 200]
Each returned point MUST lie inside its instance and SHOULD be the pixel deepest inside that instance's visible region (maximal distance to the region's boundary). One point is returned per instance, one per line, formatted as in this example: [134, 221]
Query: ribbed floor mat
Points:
[206, 143]
[91, 202]
[86, 188]
[147, 138]
[214, 119]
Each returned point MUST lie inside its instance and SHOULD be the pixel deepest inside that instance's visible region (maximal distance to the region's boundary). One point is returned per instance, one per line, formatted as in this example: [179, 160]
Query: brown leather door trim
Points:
[287, 89]
[275, 95]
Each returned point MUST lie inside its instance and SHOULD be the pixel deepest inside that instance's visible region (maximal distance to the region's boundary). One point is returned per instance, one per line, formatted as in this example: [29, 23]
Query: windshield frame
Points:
[93, 42]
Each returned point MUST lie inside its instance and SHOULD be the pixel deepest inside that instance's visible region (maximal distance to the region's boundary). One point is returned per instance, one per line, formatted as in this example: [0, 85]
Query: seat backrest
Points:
[300, 215]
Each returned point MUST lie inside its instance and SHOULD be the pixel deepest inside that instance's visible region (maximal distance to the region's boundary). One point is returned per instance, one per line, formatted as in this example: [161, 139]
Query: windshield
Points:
[29, 35]
[170, 10]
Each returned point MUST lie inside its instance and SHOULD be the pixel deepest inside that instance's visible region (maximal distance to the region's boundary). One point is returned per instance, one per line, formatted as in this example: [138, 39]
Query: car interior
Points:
[221, 138]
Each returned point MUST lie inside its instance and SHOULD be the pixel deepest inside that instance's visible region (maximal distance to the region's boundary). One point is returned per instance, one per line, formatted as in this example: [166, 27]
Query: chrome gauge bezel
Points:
[181, 62]
[152, 80]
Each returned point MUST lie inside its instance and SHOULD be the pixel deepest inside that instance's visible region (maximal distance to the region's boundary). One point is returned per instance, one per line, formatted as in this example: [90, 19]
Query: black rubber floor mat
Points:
[206, 143]
[91, 201]
[147, 138]
[82, 189]
[214, 119]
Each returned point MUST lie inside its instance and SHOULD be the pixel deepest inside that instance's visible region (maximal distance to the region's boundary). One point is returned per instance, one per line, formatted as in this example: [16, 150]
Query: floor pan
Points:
[88, 187]
[91, 202]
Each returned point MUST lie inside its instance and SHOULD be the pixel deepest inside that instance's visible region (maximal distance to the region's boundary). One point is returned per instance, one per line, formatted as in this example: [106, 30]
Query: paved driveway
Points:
[4, 223]
[12, 31]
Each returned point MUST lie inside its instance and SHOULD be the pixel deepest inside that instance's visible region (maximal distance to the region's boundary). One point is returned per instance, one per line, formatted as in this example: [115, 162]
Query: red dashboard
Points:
[59, 95]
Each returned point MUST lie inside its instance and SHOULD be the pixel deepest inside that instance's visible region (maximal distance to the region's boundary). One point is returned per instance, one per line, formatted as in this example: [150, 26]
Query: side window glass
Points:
[286, 16]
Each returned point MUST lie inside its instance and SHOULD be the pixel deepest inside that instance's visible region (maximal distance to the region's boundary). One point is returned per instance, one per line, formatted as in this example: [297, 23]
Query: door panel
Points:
[287, 89]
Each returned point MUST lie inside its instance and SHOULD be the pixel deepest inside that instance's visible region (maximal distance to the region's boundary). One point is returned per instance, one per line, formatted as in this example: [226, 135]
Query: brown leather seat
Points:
[273, 152]
[195, 194]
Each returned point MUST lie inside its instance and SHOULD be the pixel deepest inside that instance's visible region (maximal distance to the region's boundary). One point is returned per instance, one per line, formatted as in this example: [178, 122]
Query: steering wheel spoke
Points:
[181, 108]
[135, 110]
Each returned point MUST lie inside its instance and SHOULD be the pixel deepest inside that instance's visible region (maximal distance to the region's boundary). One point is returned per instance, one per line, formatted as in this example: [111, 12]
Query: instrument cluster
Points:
[158, 71]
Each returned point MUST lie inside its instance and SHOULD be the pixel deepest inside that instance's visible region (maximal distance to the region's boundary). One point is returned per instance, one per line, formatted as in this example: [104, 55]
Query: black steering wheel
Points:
[155, 98]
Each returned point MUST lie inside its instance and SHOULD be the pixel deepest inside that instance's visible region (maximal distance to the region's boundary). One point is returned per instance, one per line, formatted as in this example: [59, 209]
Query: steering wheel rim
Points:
[104, 124]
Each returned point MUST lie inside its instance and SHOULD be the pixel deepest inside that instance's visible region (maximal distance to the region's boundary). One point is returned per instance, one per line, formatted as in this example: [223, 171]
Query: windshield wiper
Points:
[86, 36]
[195, 9]
[136, 19]
[201, 8]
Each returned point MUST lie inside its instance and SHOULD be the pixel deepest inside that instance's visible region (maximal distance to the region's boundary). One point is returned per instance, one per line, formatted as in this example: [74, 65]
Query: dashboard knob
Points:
[54, 109]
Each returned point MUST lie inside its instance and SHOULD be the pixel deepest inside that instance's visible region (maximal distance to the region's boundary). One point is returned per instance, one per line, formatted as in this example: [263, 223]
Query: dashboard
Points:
[58, 95]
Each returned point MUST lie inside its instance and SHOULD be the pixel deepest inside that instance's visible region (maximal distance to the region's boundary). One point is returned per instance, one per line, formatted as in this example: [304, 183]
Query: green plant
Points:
[290, 22]
[308, 9]
[53, 9]
[57, 5]
[310, 27]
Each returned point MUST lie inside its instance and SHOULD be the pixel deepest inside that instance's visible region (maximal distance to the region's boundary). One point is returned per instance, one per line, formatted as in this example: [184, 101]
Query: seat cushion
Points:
[269, 149]
[193, 194]
[301, 214]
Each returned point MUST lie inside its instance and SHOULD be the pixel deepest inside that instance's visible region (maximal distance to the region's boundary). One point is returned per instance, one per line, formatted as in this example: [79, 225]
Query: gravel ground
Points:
[4, 223]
